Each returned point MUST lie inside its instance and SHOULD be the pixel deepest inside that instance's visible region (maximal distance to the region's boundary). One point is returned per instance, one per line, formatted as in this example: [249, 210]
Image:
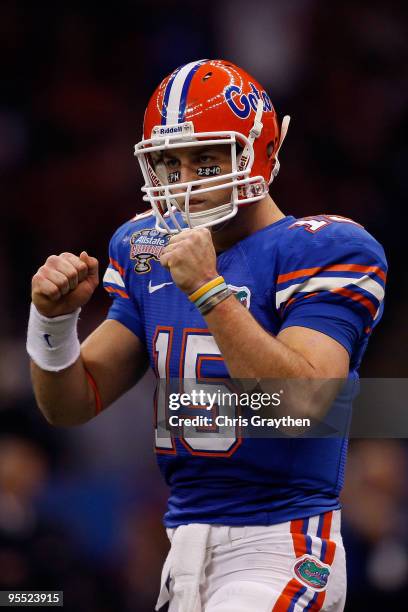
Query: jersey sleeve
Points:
[333, 283]
[124, 307]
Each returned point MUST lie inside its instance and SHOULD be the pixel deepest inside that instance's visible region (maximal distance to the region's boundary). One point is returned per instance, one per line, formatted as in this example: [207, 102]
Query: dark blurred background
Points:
[80, 510]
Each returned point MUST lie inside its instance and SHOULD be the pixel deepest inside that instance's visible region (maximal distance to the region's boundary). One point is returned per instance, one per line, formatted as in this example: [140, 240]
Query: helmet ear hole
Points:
[269, 149]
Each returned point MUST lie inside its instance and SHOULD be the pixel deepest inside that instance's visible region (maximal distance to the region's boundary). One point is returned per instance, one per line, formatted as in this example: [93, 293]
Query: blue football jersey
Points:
[325, 273]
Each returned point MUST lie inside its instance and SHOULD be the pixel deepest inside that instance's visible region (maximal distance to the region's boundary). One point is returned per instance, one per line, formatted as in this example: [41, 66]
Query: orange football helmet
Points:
[205, 103]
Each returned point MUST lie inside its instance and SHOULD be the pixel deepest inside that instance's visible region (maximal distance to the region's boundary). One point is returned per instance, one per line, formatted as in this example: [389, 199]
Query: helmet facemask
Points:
[167, 195]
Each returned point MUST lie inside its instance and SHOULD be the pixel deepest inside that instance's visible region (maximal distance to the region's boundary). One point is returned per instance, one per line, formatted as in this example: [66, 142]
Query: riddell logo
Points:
[241, 104]
[170, 130]
[175, 129]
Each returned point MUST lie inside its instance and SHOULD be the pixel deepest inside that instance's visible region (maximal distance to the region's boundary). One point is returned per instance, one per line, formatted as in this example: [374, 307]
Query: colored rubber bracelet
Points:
[214, 300]
[199, 292]
[209, 294]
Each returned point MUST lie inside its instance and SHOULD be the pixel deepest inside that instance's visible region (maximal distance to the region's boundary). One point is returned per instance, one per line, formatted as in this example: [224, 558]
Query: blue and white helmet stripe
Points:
[167, 95]
[175, 95]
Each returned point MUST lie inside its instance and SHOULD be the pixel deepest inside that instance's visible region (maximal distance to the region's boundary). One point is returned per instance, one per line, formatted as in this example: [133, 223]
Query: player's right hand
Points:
[64, 283]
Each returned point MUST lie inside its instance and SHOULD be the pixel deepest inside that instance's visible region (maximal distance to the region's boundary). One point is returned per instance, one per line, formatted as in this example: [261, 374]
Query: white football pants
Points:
[290, 567]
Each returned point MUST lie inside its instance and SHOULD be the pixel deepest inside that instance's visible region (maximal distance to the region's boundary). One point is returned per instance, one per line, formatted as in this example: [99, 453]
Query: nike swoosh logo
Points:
[47, 339]
[153, 288]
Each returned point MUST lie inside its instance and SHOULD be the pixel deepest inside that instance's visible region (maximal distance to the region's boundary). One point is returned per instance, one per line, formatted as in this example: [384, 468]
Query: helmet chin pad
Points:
[207, 218]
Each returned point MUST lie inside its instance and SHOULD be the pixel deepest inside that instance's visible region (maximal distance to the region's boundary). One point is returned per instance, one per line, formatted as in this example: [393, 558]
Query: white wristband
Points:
[52, 342]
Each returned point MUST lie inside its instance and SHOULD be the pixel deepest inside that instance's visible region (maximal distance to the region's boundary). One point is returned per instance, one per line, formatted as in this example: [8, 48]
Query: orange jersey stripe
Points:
[282, 278]
[119, 291]
[326, 527]
[357, 297]
[330, 552]
[117, 266]
[328, 557]
[298, 538]
[293, 299]
[285, 598]
[325, 535]
[318, 603]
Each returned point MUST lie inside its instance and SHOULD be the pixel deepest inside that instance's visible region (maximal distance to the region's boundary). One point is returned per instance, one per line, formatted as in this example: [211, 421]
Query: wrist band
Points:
[202, 290]
[214, 300]
[52, 342]
[210, 293]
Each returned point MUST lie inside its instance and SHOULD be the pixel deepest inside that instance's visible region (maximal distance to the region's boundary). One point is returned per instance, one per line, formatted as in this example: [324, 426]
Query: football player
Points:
[215, 281]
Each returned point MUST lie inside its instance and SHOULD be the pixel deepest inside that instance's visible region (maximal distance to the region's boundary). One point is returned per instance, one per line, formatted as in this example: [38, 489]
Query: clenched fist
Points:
[191, 259]
[64, 283]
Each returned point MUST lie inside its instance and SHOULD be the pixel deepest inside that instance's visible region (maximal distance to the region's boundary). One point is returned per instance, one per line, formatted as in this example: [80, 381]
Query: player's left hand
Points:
[190, 257]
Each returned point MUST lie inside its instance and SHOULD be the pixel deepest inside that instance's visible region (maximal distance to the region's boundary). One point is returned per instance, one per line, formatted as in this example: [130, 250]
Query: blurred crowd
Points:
[80, 510]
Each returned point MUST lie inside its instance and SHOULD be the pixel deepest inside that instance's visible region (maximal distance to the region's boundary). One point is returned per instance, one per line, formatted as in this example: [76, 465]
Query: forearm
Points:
[65, 398]
[72, 383]
[248, 350]
[306, 358]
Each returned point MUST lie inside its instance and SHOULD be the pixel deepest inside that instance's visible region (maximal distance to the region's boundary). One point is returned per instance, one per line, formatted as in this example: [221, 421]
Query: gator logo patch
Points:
[145, 245]
[242, 294]
[311, 572]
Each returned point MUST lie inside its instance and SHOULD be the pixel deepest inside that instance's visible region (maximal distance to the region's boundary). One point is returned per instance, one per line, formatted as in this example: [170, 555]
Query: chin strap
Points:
[256, 129]
[254, 133]
[284, 131]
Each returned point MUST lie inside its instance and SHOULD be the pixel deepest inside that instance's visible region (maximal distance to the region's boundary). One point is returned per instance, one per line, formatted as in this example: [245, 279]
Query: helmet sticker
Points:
[176, 93]
[242, 105]
[183, 129]
[173, 177]
[209, 171]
